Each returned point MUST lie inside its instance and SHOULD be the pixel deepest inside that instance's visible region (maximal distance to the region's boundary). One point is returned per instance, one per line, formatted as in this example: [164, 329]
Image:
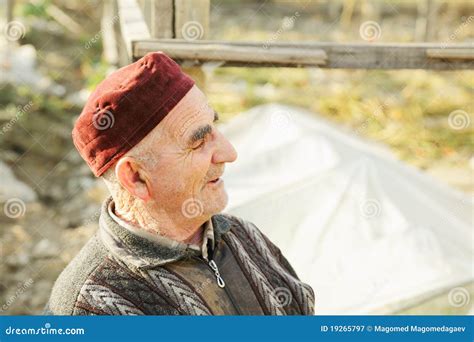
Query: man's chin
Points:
[217, 203]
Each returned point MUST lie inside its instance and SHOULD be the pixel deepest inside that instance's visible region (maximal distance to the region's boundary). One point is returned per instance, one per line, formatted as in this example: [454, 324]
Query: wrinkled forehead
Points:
[192, 111]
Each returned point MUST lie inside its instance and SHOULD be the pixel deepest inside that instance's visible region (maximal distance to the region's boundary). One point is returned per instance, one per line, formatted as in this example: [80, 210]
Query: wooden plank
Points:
[432, 8]
[132, 24]
[444, 53]
[109, 39]
[427, 18]
[229, 54]
[162, 19]
[338, 55]
[191, 20]
[158, 15]
[191, 23]
[9, 10]
[145, 6]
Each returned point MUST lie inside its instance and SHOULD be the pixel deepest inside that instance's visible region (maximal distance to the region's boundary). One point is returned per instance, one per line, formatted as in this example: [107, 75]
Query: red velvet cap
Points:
[125, 107]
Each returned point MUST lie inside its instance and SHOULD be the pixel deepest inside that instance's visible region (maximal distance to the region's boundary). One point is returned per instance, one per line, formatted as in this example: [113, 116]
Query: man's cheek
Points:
[165, 184]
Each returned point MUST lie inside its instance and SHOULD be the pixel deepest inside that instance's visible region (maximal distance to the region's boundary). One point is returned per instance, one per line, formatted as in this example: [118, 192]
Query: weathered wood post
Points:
[191, 23]
[158, 15]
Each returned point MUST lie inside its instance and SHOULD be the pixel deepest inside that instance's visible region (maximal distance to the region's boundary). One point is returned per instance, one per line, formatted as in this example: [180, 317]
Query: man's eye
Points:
[200, 144]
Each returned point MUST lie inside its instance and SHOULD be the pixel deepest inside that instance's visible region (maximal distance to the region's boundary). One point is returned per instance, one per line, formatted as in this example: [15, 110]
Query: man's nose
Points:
[225, 152]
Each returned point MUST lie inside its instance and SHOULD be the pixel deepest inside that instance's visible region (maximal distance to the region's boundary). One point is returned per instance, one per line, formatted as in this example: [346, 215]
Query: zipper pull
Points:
[220, 281]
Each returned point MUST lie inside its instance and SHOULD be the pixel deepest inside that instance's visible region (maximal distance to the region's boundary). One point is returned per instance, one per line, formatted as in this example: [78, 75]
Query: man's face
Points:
[190, 158]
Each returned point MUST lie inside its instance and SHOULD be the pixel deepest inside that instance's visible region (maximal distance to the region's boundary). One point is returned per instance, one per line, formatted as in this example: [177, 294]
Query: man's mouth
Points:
[215, 182]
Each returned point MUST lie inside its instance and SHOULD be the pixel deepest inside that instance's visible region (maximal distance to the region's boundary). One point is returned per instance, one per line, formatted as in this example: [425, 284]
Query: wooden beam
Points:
[323, 55]
[132, 24]
[191, 23]
[236, 55]
[191, 19]
[161, 23]
[146, 11]
[109, 39]
[9, 11]
[452, 54]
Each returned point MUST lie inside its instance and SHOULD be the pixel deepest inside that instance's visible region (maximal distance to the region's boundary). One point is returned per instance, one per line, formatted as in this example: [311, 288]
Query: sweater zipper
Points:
[220, 281]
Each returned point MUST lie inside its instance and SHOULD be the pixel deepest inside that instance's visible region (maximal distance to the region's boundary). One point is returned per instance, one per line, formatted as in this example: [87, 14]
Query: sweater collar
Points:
[139, 249]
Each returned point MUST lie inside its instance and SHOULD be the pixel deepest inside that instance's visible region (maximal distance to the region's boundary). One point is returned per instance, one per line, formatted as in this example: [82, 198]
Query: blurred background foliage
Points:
[405, 109]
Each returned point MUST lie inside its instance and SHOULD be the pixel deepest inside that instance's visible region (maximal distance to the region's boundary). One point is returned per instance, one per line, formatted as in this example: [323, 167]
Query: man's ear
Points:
[133, 177]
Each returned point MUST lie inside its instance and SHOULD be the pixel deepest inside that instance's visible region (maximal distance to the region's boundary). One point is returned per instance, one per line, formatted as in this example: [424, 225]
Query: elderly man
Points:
[162, 247]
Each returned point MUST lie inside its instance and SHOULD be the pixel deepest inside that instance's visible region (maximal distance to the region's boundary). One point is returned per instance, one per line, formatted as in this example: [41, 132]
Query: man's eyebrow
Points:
[201, 132]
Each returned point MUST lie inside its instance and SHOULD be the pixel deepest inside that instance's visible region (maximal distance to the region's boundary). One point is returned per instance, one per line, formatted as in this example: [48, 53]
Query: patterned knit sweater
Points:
[121, 273]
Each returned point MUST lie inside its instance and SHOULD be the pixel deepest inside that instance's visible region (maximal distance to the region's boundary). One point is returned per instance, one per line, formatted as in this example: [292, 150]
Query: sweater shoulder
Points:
[96, 283]
[69, 283]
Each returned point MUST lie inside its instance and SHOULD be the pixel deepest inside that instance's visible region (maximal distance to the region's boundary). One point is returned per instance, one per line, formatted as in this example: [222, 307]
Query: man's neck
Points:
[157, 222]
[196, 239]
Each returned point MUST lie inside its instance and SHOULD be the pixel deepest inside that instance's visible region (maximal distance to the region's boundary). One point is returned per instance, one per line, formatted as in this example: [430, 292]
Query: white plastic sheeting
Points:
[365, 230]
